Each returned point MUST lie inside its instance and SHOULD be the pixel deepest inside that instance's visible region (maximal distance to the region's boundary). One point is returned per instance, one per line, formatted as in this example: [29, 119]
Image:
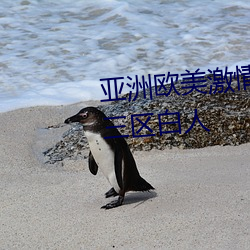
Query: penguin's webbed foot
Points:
[111, 193]
[113, 204]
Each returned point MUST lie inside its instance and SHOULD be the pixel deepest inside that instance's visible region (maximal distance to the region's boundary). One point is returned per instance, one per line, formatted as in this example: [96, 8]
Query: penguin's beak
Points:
[74, 118]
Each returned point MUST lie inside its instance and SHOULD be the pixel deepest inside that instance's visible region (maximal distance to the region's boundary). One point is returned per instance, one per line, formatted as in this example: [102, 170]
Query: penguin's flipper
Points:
[118, 165]
[113, 204]
[93, 167]
[111, 193]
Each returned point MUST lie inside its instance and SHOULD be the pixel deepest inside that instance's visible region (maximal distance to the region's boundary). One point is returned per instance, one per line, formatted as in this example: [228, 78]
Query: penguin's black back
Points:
[132, 180]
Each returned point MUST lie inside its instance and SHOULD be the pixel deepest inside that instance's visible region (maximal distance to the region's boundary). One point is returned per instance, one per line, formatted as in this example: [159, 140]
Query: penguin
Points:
[111, 155]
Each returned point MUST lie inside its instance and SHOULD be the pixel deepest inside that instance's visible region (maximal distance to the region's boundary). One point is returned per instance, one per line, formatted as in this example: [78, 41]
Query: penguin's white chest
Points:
[104, 157]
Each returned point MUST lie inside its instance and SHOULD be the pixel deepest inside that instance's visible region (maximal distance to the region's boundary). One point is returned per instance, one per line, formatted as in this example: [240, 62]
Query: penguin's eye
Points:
[84, 115]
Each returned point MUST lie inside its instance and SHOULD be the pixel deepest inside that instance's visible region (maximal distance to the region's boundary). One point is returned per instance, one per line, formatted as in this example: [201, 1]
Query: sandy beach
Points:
[201, 198]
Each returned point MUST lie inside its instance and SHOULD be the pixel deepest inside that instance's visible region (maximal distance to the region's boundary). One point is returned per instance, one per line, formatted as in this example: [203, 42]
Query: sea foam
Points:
[55, 53]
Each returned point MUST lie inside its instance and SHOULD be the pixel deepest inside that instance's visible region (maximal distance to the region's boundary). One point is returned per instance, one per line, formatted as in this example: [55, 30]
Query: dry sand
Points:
[201, 201]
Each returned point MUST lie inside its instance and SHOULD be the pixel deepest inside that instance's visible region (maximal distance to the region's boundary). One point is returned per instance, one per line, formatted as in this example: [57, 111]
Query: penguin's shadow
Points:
[137, 198]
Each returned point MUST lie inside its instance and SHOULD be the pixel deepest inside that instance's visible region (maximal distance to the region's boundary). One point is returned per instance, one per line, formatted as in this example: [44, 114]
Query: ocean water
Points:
[56, 52]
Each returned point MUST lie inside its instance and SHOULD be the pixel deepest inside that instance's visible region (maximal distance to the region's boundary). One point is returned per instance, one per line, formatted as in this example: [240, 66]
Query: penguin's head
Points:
[89, 117]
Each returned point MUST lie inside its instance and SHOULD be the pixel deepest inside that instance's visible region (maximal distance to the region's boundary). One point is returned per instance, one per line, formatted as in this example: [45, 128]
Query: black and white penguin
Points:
[111, 155]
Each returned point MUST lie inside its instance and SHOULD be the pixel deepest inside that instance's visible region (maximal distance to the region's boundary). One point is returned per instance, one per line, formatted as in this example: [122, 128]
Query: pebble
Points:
[226, 115]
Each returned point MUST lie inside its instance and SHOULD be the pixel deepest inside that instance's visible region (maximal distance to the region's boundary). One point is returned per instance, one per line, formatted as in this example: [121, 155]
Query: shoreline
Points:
[201, 198]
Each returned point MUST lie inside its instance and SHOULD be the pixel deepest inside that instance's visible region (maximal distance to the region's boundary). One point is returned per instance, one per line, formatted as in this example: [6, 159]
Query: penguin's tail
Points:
[141, 185]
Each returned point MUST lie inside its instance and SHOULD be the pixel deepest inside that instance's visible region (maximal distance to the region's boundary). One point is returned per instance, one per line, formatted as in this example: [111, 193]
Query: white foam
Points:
[54, 53]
